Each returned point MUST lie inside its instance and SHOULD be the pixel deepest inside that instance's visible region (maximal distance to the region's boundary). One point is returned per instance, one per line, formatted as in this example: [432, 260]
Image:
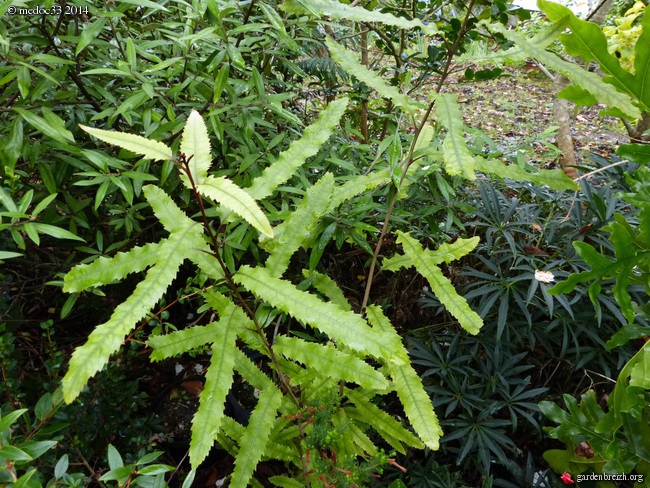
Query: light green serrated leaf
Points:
[328, 287]
[347, 327]
[105, 270]
[195, 144]
[389, 428]
[457, 156]
[415, 400]
[252, 444]
[291, 233]
[357, 185]
[446, 253]
[239, 201]
[286, 482]
[553, 178]
[440, 285]
[181, 341]
[107, 337]
[330, 362]
[299, 151]
[348, 61]
[341, 11]
[218, 380]
[131, 142]
[9, 254]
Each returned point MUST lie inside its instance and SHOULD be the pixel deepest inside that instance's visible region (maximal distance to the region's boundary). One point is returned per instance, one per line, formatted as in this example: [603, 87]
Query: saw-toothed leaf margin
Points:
[303, 371]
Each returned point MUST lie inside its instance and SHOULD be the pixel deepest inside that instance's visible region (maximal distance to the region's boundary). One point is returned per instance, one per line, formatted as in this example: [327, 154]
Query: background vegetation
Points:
[259, 74]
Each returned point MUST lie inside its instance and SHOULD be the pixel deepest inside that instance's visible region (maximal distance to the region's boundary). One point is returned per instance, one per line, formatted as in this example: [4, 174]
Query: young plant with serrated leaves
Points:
[300, 371]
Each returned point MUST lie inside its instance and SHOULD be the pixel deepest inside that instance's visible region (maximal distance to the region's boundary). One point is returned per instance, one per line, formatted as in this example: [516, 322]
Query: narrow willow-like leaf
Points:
[299, 151]
[107, 337]
[588, 41]
[292, 232]
[349, 62]
[383, 423]
[131, 142]
[341, 11]
[252, 444]
[239, 201]
[415, 400]
[104, 270]
[330, 361]
[346, 327]
[328, 287]
[357, 185]
[457, 156]
[553, 178]
[218, 379]
[440, 285]
[181, 341]
[446, 253]
[195, 144]
[594, 84]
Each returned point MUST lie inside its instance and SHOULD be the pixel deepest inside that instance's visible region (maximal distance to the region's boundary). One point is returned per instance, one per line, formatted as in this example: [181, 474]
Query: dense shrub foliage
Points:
[338, 282]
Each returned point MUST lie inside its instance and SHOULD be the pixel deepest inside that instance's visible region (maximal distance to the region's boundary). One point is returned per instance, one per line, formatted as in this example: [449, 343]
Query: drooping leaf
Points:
[457, 156]
[252, 444]
[440, 285]
[218, 380]
[292, 232]
[330, 361]
[340, 11]
[298, 152]
[578, 96]
[389, 428]
[195, 144]
[131, 142]
[553, 178]
[239, 201]
[328, 287]
[348, 61]
[347, 327]
[417, 404]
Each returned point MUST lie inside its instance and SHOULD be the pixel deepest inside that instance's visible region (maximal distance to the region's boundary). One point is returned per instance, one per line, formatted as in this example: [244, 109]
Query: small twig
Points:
[591, 173]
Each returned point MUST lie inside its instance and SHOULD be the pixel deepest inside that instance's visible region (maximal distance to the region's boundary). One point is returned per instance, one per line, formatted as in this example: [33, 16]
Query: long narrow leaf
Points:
[308, 145]
[239, 201]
